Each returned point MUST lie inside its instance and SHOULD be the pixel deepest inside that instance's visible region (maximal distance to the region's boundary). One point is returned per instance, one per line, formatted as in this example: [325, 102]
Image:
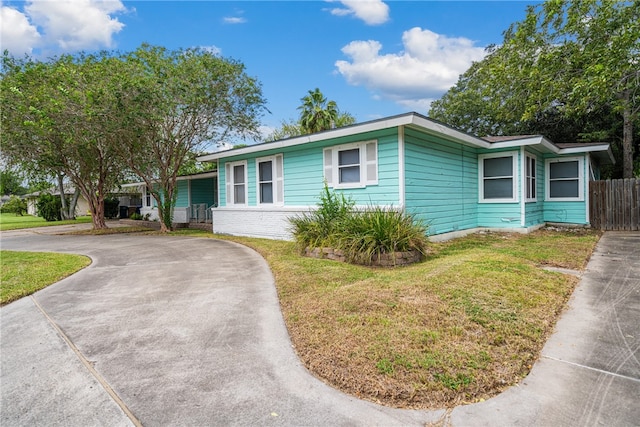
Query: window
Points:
[236, 176]
[352, 165]
[530, 176]
[564, 179]
[498, 181]
[270, 180]
[148, 198]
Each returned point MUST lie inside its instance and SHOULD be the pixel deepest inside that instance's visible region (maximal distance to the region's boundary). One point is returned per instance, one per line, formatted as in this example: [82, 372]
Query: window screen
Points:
[564, 180]
[498, 178]
[349, 165]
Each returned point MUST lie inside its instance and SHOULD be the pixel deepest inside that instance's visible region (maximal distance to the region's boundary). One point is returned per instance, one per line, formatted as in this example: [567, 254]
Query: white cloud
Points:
[17, 35]
[65, 25]
[427, 67]
[372, 12]
[234, 20]
[213, 49]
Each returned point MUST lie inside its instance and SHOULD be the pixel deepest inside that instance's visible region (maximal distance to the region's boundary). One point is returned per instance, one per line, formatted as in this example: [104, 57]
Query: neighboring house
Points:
[126, 198]
[196, 194]
[453, 181]
[82, 205]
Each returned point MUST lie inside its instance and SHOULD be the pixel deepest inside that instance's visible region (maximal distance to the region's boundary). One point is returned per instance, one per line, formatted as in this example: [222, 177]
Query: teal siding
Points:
[304, 175]
[571, 212]
[502, 215]
[203, 191]
[182, 194]
[440, 182]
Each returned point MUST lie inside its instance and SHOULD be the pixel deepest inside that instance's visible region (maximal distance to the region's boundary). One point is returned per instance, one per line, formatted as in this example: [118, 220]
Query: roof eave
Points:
[408, 119]
[603, 151]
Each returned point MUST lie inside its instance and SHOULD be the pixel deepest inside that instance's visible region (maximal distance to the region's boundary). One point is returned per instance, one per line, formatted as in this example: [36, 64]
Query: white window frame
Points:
[368, 164]
[230, 184]
[580, 179]
[277, 180]
[531, 179]
[514, 176]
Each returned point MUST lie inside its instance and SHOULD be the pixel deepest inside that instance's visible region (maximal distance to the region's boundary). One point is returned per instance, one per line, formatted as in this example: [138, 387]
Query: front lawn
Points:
[24, 273]
[460, 327]
[9, 221]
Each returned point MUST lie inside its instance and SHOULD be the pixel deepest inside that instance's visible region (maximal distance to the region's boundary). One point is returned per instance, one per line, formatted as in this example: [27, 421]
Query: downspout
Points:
[401, 168]
[523, 187]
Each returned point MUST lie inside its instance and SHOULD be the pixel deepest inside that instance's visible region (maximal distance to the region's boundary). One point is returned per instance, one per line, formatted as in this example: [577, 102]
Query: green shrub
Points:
[49, 207]
[365, 235]
[361, 235]
[317, 228]
[14, 205]
[111, 207]
[135, 216]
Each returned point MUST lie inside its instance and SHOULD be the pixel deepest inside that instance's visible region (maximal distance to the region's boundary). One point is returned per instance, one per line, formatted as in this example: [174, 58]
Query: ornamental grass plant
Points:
[362, 236]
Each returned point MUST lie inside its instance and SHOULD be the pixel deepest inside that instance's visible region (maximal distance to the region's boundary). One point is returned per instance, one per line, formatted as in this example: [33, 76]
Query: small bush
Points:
[111, 207]
[14, 205]
[317, 228]
[362, 236]
[49, 207]
[135, 216]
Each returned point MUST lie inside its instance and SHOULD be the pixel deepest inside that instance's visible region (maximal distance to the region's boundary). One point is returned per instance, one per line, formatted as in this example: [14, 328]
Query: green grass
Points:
[24, 273]
[13, 222]
[459, 327]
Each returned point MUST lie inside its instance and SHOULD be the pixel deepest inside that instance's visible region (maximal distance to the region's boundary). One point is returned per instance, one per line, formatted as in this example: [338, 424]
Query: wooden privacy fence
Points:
[615, 204]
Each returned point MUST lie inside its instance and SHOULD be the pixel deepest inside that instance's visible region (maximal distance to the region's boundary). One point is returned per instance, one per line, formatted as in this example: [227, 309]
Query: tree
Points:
[567, 62]
[15, 205]
[11, 183]
[317, 114]
[178, 103]
[59, 118]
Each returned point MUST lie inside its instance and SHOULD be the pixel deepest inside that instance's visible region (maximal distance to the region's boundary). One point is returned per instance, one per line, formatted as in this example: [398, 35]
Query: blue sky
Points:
[374, 58]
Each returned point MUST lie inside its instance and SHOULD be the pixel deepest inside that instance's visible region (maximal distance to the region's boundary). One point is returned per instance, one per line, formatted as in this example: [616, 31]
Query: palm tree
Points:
[317, 114]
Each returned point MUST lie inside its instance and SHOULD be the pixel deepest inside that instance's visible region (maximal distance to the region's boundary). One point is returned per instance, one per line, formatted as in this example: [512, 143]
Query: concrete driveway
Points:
[182, 331]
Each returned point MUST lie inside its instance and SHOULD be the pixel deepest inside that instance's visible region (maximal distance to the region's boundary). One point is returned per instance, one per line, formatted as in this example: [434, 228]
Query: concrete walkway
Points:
[170, 331]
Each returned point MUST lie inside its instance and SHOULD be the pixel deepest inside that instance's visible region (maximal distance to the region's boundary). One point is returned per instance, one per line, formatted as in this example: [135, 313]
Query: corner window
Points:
[565, 179]
[352, 165]
[270, 180]
[530, 177]
[498, 180]
[236, 179]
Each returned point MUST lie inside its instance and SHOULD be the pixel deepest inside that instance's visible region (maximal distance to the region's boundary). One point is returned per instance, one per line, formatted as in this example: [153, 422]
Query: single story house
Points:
[82, 205]
[455, 182]
[125, 198]
[196, 194]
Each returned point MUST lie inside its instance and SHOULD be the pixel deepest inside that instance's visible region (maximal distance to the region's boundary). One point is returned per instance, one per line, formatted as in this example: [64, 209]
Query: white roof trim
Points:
[179, 178]
[411, 119]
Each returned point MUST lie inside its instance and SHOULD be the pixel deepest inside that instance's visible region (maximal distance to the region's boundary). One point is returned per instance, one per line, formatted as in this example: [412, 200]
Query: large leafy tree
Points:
[59, 119]
[178, 103]
[317, 113]
[570, 67]
[11, 183]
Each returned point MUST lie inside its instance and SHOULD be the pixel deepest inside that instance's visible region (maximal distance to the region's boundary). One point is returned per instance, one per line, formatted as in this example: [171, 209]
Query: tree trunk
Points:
[73, 203]
[64, 210]
[96, 206]
[627, 138]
